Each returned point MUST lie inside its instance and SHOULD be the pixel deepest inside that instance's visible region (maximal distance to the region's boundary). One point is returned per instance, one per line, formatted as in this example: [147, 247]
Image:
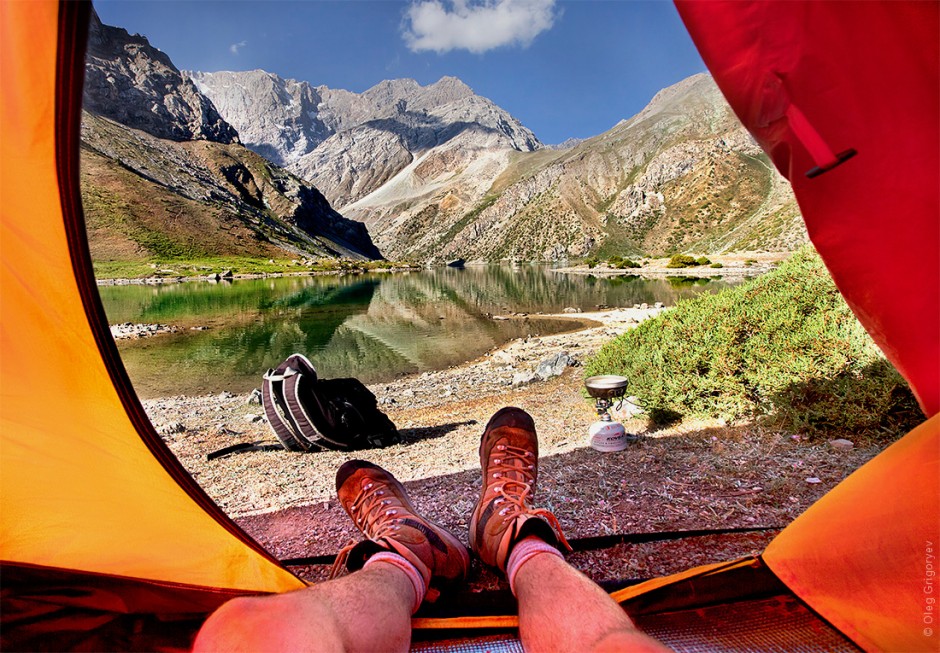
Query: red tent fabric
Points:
[813, 80]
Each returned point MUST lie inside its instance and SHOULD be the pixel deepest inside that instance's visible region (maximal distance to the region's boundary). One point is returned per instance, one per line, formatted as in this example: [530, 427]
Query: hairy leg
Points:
[369, 610]
[561, 609]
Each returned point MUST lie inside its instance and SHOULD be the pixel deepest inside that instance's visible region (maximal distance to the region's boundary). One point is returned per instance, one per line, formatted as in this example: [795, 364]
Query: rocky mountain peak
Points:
[387, 93]
[277, 118]
[130, 81]
[348, 144]
[699, 90]
[448, 89]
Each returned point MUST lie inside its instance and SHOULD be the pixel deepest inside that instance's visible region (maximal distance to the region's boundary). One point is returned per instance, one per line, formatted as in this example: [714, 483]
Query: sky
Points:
[565, 69]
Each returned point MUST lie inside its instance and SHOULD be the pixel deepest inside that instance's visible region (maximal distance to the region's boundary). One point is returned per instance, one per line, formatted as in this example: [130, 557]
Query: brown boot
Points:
[509, 456]
[379, 506]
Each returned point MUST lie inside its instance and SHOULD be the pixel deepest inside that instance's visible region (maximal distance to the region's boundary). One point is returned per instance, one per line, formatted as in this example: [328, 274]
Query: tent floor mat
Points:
[776, 624]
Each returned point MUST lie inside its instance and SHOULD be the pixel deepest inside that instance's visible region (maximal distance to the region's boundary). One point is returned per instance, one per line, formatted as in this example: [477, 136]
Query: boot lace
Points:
[375, 514]
[516, 466]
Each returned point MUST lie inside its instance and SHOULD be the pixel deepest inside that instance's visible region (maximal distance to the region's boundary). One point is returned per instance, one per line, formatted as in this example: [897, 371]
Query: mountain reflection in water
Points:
[373, 326]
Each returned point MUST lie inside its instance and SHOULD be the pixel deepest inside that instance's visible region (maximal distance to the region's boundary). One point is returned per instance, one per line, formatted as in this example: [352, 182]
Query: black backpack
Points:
[312, 414]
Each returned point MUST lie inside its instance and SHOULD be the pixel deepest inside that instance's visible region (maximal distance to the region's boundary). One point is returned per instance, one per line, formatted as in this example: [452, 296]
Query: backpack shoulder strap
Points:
[308, 412]
[275, 409]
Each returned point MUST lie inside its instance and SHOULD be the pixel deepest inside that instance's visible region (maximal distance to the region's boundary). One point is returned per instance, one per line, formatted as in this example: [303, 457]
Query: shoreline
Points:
[734, 266]
[223, 277]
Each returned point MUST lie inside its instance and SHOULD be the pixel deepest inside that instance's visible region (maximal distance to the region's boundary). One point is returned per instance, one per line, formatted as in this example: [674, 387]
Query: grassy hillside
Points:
[131, 218]
[151, 200]
[783, 347]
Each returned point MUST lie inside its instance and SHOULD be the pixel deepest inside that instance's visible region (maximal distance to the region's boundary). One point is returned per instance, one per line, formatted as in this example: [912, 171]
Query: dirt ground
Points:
[695, 475]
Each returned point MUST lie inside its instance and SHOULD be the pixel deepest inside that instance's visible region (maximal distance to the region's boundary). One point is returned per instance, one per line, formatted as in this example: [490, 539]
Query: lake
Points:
[371, 326]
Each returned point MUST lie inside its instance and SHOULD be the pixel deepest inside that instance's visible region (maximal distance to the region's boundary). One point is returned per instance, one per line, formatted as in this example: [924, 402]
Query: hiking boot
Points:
[509, 457]
[379, 506]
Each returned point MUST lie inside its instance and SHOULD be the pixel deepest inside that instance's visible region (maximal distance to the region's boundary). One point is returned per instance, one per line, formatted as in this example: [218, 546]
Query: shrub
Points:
[716, 265]
[681, 261]
[620, 263]
[591, 262]
[702, 260]
[783, 347]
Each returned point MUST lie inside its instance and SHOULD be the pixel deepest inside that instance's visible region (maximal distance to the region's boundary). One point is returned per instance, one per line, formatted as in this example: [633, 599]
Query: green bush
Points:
[681, 261]
[591, 262]
[620, 263]
[783, 347]
[716, 265]
[702, 260]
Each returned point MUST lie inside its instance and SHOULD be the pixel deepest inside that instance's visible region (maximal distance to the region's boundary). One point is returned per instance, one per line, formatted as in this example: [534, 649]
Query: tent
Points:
[106, 541]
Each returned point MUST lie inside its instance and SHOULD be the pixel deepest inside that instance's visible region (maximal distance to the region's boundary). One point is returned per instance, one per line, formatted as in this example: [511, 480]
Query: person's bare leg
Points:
[561, 609]
[369, 610]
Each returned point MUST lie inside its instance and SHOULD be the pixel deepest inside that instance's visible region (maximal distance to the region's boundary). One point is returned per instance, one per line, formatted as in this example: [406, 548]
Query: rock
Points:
[171, 427]
[658, 305]
[225, 394]
[842, 444]
[523, 378]
[387, 401]
[252, 418]
[227, 274]
[254, 397]
[644, 306]
[571, 309]
[553, 366]
[502, 358]
[409, 393]
[813, 480]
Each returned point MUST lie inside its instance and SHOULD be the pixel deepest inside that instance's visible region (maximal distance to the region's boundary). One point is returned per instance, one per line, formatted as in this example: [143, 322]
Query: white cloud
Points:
[235, 47]
[475, 25]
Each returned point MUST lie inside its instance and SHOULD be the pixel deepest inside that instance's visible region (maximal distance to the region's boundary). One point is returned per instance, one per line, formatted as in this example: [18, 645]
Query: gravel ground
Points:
[696, 475]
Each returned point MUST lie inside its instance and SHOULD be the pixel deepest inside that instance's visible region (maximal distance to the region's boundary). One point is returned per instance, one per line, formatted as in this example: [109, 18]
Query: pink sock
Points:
[524, 551]
[417, 580]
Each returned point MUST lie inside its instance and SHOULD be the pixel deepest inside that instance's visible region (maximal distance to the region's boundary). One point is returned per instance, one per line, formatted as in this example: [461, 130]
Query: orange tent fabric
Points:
[86, 484]
[865, 555]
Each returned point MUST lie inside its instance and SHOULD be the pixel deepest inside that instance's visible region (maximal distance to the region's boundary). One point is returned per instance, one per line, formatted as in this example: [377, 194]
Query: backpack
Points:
[312, 414]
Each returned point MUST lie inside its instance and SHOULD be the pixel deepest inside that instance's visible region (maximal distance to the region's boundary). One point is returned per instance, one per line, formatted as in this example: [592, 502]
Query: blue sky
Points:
[565, 69]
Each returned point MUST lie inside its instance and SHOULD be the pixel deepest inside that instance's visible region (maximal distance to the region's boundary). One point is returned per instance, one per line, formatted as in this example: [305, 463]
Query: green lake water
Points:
[371, 326]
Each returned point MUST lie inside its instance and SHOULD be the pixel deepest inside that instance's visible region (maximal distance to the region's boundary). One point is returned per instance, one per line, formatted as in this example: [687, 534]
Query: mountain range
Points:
[431, 172]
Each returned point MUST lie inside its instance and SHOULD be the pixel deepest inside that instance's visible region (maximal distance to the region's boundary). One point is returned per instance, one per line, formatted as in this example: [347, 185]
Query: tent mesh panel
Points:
[778, 624]
[488, 644]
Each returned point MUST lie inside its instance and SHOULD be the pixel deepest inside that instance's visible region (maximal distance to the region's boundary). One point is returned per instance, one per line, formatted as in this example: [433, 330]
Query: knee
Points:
[266, 623]
[232, 626]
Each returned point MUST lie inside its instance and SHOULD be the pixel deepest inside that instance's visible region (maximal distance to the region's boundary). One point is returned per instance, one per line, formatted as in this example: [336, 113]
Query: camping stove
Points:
[605, 434]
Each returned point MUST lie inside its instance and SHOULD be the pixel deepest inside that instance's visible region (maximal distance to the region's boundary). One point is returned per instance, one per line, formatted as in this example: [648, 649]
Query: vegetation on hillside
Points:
[783, 347]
